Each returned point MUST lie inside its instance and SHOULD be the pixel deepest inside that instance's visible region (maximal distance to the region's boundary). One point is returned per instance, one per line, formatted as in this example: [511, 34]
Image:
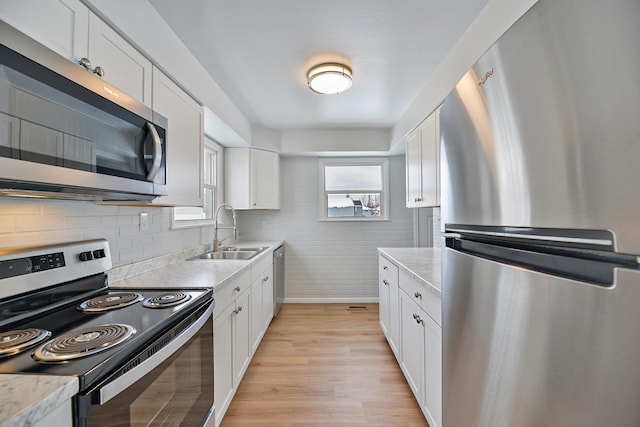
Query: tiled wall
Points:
[329, 261]
[25, 222]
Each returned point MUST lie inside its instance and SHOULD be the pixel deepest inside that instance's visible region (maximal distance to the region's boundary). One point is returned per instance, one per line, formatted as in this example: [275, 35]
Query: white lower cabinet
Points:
[231, 340]
[418, 344]
[239, 325]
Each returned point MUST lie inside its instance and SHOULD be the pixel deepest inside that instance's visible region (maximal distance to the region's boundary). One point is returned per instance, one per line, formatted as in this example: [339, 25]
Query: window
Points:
[354, 189]
[195, 216]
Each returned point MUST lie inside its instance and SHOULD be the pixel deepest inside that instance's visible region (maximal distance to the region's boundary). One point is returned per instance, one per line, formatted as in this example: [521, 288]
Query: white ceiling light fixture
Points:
[329, 78]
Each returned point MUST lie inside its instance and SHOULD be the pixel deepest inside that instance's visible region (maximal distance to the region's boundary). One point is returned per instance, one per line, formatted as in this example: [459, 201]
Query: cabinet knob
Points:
[85, 63]
[99, 71]
[237, 310]
[385, 268]
[265, 279]
[418, 199]
[385, 282]
[237, 289]
[418, 295]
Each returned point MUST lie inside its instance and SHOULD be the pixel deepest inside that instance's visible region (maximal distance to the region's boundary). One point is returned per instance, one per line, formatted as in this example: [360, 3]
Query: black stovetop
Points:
[148, 323]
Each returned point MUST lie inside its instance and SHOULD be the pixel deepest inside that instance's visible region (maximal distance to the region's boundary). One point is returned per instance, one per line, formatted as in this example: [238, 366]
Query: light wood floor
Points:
[322, 365]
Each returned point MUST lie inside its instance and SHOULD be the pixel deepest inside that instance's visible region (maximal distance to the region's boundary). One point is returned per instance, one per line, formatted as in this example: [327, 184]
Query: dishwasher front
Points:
[278, 279]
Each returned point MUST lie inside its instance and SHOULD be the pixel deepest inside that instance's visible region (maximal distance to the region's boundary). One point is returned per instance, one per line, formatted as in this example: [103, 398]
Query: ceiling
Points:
[258, 52]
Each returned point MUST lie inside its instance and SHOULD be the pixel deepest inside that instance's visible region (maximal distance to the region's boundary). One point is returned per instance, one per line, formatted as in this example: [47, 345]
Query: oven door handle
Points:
[112, 389]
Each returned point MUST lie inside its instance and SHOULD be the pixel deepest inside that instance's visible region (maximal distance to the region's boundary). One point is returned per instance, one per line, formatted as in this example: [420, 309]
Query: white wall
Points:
[335, 141]
[328, 261]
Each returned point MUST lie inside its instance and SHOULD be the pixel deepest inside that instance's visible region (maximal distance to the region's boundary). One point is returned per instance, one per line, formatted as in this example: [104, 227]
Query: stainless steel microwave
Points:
[66, 133]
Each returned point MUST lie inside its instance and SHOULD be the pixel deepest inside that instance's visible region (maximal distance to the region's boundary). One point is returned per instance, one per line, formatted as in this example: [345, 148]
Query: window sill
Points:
[349, 219]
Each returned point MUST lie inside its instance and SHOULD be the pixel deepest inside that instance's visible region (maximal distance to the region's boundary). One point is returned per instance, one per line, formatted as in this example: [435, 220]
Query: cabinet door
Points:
[252, 178]
[256, 314]
[412, 344]
[184, 142]
[267, 299]
[265, 181]
[123, 65]
[383, 303]
[61, 25]
[242, 336]
[394, 319]
[429, 158]
[413, 170]
[433, 372]
[223, 360]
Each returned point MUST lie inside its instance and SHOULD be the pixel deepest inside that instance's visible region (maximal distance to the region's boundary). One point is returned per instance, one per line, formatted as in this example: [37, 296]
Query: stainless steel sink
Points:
[231, 253]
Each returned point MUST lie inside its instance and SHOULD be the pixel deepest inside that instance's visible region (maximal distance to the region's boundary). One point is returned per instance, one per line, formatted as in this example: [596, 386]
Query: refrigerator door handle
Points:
[451, 235]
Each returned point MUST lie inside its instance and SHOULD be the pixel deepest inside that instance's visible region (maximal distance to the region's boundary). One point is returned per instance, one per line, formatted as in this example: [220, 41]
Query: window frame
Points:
[211, 149]
[351, 161]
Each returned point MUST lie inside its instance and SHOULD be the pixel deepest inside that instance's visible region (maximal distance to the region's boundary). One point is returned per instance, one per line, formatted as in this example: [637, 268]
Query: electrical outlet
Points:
[144, 221]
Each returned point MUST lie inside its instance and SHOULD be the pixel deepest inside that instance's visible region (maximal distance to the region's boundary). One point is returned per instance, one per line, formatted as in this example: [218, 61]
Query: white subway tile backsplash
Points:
[26, 222]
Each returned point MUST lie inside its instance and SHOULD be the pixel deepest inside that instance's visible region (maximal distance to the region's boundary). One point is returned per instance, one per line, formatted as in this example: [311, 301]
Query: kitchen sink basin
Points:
[230, 253]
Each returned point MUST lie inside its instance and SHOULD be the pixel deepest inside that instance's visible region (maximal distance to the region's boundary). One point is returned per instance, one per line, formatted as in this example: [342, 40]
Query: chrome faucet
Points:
[216, 242]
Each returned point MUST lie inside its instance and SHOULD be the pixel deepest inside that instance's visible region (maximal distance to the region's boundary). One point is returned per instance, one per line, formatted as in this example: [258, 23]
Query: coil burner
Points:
[13, 342]
[166, 300]
[83, 342]
[110, 301]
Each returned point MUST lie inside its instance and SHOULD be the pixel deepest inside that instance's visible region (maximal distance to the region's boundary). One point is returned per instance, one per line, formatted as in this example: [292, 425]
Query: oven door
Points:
[172, 387]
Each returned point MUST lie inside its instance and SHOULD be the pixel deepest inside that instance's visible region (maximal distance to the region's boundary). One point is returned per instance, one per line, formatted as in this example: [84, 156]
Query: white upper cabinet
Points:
[185, 142]
[123, 65]
[61, 25]
[252, 178]
[70, 29]
[423, 164]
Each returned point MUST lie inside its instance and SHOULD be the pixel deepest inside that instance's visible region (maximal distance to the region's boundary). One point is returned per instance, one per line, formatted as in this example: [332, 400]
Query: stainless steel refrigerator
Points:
[541, 208]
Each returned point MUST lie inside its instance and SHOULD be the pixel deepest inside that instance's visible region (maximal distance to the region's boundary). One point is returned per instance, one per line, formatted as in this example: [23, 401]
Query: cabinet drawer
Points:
[387, 271]
[226, 294]
[426, 299]
[258, 269]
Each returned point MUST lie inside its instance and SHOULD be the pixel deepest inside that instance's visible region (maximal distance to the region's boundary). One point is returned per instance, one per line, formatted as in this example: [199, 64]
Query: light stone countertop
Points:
[27, 399]
[423, 264]
[198, 273]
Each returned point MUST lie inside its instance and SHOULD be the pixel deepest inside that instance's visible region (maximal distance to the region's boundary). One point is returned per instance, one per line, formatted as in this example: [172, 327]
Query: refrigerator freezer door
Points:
[529, 349]
[544, 130]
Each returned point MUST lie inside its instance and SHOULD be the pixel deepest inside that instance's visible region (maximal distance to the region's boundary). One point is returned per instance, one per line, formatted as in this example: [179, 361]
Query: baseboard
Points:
[331, 300]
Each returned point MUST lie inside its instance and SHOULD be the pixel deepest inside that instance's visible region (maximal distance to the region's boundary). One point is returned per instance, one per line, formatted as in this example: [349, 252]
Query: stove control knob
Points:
[99, 253]
[85, 256]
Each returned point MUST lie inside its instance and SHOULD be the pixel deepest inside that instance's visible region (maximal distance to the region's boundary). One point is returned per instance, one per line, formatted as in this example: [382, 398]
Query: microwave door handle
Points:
[157, 152]
[113, 388]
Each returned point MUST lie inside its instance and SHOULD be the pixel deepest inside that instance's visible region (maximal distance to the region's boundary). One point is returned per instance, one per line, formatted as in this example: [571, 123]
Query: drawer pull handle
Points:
[418, 295]
[417, 318]
[237, 289]
[385, 282]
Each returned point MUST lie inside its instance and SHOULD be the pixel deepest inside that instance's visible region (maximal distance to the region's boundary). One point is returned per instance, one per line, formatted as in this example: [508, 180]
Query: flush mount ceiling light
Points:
[329, 78]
